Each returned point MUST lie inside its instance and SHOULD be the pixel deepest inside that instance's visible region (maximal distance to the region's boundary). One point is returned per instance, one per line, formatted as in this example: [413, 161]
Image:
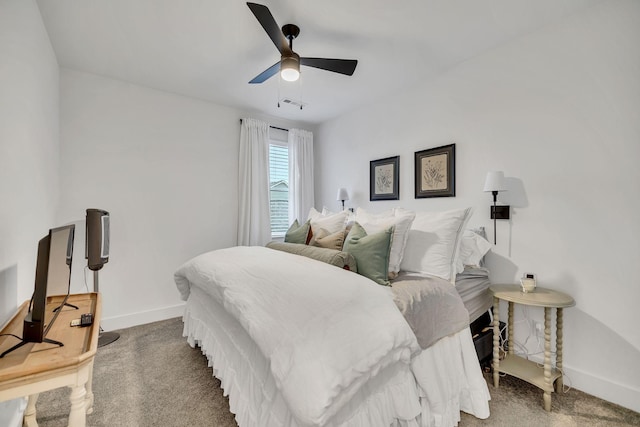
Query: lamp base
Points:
[500, 212]
[107, 338]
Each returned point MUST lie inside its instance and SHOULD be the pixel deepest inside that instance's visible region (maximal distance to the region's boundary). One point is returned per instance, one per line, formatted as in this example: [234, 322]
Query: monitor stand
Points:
[67, 305]
[32, 332]
[23, 342]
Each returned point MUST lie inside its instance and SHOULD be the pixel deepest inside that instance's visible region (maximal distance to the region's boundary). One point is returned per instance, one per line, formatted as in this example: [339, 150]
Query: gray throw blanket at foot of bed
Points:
[431, 306]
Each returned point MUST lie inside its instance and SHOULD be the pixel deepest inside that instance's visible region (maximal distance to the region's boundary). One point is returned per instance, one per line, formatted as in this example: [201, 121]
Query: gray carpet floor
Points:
[151, 377]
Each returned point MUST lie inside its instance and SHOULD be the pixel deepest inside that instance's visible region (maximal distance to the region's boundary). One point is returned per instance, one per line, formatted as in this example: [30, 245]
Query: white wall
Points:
[29, 152]
[28, 157]
[558, 112]
[165, 167]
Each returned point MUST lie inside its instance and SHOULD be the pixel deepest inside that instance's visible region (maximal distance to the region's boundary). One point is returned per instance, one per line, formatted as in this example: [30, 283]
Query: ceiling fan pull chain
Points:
[300, 85]
[279, 79]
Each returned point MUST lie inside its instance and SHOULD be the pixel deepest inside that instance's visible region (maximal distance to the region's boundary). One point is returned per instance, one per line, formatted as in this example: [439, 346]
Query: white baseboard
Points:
[620, 394]
[141, 318]
[603, 388]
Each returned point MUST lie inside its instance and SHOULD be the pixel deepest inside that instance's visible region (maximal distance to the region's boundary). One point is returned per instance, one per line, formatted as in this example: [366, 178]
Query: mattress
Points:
[473, 287]
[444, 379]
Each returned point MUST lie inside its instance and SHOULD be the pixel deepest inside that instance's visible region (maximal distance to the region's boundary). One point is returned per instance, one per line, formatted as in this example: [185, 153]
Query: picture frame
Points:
[384, 179]
[435, 172]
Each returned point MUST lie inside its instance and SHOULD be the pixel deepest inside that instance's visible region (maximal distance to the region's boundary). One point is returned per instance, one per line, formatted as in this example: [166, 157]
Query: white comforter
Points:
[325, 331]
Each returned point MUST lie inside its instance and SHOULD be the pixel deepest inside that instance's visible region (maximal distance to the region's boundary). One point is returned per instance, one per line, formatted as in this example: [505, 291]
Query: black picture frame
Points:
[384, 179]
[435, 172]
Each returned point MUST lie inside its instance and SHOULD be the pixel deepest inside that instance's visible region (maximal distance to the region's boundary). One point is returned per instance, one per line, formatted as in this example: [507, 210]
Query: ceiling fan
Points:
[289, 64]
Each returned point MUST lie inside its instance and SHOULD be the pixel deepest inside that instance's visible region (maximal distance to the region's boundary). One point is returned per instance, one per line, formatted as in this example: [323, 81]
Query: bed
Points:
[473, 287]
[297, 341]
[472, 278]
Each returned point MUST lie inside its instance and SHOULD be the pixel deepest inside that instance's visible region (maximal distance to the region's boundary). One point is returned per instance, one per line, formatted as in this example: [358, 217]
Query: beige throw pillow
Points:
[323, 239]
[332, 222]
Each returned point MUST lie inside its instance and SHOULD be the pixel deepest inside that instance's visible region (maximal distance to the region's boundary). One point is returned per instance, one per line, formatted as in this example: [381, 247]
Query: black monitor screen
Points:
[53, 277]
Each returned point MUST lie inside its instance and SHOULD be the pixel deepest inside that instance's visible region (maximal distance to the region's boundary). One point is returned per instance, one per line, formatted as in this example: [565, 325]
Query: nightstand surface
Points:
[540, 297]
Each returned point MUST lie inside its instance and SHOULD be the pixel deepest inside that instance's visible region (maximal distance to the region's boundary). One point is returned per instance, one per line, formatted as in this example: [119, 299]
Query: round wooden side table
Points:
[542, 377]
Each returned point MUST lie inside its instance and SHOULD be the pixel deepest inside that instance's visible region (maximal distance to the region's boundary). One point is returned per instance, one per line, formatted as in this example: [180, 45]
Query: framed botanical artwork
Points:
[384, 179]
[435, 171]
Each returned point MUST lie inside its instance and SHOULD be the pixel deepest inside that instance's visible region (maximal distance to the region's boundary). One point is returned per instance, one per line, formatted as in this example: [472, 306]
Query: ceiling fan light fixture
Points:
[289, 65]
[290, 74]
[290, 69]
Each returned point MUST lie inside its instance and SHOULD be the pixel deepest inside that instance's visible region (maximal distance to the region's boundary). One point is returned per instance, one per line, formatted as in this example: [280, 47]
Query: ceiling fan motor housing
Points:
[290, 31]
[290, 61]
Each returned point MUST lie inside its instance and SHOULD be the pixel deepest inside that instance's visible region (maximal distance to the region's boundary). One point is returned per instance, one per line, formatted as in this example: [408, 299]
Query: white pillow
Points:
[331, 223]
[313, 214]
[400, 221]
[472, 248]
[434, 242]
[351, 216]
[326, 211]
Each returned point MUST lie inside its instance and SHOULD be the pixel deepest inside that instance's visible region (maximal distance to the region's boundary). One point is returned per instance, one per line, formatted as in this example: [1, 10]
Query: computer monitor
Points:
[53, 277]
[53, 270]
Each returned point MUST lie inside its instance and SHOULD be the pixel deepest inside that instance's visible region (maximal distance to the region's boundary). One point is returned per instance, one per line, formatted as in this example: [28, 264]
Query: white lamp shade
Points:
[290, 74]
[495, 181]
[342, 194]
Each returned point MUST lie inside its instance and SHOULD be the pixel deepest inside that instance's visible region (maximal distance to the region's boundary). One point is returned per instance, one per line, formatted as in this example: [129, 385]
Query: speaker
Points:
[97, 238]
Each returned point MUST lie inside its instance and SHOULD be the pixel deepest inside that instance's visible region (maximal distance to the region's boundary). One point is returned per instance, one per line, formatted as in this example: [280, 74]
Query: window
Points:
[279, 187]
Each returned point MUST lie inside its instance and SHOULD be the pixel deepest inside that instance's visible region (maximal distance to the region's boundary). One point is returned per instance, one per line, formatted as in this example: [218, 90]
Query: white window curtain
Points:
[254, 224]
[301, 197]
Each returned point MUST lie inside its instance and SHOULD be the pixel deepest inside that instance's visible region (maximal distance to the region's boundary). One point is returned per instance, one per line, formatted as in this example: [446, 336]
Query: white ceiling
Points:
[210, 49]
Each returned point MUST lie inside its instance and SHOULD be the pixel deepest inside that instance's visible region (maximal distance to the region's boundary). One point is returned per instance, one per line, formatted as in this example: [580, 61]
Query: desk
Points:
[35, 368]
[542, 377]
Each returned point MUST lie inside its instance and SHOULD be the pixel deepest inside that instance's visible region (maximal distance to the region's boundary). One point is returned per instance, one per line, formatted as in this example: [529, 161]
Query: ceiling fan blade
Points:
[269, 72]
[264, 16]
[342, 66]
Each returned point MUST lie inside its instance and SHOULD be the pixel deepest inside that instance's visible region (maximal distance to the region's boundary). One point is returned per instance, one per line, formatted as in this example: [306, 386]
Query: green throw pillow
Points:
[298, 233]
[371, 252]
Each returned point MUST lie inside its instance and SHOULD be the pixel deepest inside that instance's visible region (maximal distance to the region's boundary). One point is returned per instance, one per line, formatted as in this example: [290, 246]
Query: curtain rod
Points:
[274, 127]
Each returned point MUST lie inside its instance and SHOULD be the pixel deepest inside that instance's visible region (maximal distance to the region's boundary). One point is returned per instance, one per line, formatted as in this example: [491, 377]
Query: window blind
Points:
[279, 188]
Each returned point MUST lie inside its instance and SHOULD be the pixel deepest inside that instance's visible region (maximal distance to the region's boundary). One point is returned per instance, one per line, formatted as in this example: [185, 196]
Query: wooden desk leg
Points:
[89, 397]
[78, 413]
[559, 318]
[29, 419]
[496, 342]
[510, 328]
[547, 359]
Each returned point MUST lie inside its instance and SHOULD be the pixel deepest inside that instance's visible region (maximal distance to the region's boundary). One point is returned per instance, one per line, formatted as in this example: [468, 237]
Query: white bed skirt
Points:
[448, 378]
